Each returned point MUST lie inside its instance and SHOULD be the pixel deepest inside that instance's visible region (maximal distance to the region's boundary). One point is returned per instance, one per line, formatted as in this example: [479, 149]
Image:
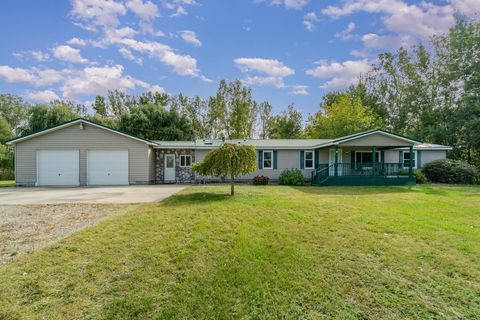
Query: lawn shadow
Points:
[355, 190]
[196, 198]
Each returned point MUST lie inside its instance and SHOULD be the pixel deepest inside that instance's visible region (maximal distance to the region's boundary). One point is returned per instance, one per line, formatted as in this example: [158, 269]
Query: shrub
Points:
[260, 180]
[291, 177]
[450, 171]
[6, 174]
[419, 176]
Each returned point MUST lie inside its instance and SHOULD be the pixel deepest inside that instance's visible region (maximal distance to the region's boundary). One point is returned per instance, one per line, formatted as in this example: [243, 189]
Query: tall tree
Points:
[14, 109]
[341, 117]
[197, 110]
[233, 110]
[265, 118]
[100, 107]
[153, 122]
[286, 125]
[44, 116]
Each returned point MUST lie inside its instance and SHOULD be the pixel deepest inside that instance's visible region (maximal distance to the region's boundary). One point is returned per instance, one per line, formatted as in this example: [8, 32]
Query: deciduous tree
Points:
[229, 160]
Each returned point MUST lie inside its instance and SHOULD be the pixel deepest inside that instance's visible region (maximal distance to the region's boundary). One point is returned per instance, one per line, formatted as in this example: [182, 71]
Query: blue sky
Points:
[286, 50]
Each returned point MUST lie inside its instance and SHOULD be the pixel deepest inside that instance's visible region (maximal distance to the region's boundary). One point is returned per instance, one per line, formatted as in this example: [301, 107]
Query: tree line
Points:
[430, 92]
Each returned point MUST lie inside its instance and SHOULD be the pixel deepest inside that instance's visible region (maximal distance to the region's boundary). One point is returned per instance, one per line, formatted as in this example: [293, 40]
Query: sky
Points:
[287, 51]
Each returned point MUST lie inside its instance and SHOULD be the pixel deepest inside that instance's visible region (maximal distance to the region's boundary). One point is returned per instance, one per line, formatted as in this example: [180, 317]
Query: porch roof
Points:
[375, 137]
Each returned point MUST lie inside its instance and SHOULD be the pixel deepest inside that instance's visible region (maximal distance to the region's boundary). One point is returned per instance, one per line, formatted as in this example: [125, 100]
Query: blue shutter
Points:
[352, 159]
[419, 159]
[302, 159]
[400, 157]
[260, 159]
[382, 156]
[274, 159]
[317, 159]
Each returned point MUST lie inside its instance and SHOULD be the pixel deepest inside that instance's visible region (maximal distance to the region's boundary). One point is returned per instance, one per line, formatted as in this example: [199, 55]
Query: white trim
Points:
[76, 122]
[305, 159]
[263, 159]
[414, 162]
[185, 155]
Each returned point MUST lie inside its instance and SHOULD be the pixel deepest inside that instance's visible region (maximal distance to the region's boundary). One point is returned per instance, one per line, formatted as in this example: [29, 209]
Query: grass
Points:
[268, 253]
[7, 183]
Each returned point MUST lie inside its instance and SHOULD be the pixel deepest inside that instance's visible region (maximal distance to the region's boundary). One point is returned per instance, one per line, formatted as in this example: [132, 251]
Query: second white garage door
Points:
[109, 167]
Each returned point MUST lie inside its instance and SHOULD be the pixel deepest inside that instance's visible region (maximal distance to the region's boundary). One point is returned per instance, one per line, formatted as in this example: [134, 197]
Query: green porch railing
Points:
[357, 169]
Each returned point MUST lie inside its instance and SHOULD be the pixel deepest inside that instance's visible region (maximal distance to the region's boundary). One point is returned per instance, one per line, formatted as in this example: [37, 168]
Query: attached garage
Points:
[58, 168]
[81, 152]
[107, 167]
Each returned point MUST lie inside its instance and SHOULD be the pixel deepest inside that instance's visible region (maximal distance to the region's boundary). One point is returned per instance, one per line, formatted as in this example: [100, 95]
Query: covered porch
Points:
[367, 159]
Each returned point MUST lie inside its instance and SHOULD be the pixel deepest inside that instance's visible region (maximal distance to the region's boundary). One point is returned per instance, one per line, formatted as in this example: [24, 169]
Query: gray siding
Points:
[378, 140]
[286, 159]
[90, 138]
[429, 156]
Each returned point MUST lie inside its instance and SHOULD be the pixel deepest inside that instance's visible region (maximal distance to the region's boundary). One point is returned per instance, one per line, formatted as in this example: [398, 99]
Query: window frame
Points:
[414, 159]
[184, 157]
[365, 151]
[271, 159]
[305, 159]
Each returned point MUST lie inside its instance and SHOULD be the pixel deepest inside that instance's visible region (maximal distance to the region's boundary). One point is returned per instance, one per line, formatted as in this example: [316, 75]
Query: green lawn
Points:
[7, 183]
[267, 253]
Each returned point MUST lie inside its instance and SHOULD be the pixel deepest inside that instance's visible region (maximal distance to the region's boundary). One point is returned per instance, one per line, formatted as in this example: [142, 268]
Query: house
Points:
[81, 153]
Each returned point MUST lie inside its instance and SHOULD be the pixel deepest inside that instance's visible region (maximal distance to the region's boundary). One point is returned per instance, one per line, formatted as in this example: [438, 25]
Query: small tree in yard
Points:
[230, 160]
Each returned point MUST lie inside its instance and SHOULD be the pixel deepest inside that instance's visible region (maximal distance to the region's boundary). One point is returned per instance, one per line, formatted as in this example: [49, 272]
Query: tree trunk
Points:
[232, 185]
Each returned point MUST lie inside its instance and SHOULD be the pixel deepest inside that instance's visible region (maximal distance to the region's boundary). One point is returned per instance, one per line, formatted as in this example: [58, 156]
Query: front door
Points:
[331, 161]
[169, 174]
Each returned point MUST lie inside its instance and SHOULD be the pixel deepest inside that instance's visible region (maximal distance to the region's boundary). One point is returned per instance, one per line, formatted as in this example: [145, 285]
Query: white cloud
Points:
[299, 89]
[339, 74]
[33, 76]
[41, 96]
[310, 20]
[91, 14]
[179, 12]
[347, 33]
[272, 72]
[127, 54]
[182, 64]
[288, 4]
[98, 80]
[405, 24]
[467, 7]
[190, 37]
[77, 42]
[147, 11]
[40, 56]
[69, 54]
[10, 74]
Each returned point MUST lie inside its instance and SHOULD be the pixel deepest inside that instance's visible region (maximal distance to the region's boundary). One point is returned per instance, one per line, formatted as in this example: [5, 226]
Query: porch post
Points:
[336, 160]
[410, 163]
[374, 159]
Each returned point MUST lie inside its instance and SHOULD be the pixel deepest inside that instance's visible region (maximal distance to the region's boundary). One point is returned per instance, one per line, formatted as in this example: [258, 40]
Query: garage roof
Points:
[72, 122]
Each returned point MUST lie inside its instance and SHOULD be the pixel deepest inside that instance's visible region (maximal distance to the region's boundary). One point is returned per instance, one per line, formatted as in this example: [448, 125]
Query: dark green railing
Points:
[357, 169]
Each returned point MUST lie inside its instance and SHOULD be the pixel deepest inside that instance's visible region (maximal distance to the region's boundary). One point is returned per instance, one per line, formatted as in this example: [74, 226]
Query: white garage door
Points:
[58, 168]
[107, 167]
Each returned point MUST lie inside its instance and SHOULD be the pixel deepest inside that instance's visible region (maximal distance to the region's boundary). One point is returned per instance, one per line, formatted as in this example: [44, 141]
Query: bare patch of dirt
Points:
[24, 228]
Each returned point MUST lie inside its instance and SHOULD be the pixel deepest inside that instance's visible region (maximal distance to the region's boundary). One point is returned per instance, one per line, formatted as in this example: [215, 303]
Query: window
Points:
[267, 159]
[366, 157]
[185, 161]
[406, 159]
[308, 160]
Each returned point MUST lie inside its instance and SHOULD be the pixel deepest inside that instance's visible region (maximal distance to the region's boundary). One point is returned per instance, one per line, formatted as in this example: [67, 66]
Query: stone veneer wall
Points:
[182, 174]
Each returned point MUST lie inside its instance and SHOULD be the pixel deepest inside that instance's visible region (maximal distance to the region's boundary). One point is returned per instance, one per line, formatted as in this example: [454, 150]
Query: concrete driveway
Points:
[113, 195]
